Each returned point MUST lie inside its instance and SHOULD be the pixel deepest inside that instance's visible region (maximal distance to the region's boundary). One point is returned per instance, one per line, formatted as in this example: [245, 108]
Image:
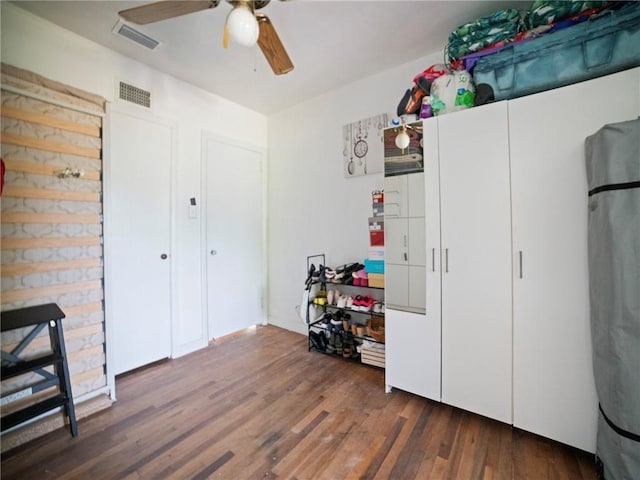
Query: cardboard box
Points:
[376, 280]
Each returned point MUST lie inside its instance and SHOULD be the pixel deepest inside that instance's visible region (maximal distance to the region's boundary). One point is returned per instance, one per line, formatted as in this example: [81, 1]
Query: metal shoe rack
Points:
[370, 356]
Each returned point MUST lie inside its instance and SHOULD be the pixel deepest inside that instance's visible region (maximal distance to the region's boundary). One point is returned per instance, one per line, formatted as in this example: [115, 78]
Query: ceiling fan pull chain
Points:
[225, 36]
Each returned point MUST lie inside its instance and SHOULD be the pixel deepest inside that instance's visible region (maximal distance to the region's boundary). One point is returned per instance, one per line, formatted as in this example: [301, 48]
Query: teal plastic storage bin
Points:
[599, 46]
[374, 266]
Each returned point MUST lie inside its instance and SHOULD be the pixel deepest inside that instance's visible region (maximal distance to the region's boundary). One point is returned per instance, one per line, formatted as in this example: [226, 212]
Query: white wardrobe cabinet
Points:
[513, 265]
[554, 391]
[476, 260]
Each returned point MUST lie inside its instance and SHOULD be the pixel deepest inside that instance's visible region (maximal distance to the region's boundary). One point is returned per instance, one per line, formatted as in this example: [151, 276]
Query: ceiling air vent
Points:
[136, 95]
[134, 35]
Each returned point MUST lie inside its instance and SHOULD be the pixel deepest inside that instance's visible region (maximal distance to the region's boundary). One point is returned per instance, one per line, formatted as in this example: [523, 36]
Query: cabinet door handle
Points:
[446, 260]
[520, 262]
[405, 257]
[433, 259]
[404, 239]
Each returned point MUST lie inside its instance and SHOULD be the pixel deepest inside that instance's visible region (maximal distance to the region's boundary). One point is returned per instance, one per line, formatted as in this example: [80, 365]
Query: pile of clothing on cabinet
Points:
[511, 53]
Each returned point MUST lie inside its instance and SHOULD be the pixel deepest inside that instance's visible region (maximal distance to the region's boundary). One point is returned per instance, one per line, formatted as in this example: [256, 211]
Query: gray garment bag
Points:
[613, 171]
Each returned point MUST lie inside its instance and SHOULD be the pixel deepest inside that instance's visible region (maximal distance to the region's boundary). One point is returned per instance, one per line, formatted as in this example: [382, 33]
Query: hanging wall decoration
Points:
[363, 146]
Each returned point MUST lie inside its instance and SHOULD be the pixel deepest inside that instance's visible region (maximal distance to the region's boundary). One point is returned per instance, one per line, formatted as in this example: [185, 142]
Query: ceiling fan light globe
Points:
[402, 140]
[243, 26]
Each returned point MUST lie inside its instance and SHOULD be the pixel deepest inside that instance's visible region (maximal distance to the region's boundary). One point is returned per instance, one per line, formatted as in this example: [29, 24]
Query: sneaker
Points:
[329, 273]
[342, 301]
[331, 344]
[349, 303]
[316, 342]
[366, 304]
[330, 295]
[320, 300]
[357, 302]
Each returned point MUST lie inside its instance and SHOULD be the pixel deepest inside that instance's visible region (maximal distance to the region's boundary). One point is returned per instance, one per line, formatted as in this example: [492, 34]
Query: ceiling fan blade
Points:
[272, 47]
[154, 12]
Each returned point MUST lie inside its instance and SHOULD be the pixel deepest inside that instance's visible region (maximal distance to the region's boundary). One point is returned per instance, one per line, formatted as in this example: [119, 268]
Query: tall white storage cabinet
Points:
[554, 392]
[476, 262]
[413, 339]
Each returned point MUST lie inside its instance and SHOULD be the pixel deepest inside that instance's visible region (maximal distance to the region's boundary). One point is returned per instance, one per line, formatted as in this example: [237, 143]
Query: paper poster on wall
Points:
[363, 146]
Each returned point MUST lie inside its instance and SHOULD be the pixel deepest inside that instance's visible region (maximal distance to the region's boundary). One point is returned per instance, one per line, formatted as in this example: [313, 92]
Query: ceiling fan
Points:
[243, 24]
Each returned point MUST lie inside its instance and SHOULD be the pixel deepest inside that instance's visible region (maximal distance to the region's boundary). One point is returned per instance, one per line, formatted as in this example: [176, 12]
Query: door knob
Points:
[213, 252]
[163, 256]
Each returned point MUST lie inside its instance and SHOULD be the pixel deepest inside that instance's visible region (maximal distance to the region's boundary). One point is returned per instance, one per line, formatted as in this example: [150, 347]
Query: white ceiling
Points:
[331, 43]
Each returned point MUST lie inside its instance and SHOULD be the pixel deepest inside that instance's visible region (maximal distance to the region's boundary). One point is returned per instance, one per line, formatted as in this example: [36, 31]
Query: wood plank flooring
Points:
[257, 405]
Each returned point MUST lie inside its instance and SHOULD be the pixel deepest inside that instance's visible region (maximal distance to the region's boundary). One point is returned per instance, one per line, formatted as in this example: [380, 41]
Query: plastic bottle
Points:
[426, 111]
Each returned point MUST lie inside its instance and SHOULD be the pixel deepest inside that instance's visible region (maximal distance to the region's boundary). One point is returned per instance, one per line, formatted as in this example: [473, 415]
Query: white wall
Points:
[37, 45]
[312, 207]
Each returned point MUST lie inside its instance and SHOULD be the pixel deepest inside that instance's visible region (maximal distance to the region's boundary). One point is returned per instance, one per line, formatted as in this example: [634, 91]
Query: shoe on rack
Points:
[329, 273]
[316, 342]
[342, 301]
[355, 355]
[360, 277]
[320, 300]
[330, 294]
[357, 302]
[310, 277]
[336, 325]
[331, 344]
[339, 344]
[378, 307]
[366, 304]
[349, 303]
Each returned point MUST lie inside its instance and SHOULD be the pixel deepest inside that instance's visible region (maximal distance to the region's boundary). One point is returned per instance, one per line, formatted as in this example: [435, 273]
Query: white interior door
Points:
[234, 236]
[137, 236]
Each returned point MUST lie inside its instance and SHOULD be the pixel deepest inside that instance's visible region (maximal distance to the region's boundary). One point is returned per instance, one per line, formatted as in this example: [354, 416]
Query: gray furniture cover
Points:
[613, 171]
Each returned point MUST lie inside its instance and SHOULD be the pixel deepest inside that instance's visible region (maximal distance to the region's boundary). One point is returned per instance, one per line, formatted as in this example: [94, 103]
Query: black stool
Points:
[12, 365]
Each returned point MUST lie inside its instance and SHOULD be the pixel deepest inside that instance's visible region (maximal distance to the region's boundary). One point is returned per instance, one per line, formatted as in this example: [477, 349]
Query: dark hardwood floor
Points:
[257, 405]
